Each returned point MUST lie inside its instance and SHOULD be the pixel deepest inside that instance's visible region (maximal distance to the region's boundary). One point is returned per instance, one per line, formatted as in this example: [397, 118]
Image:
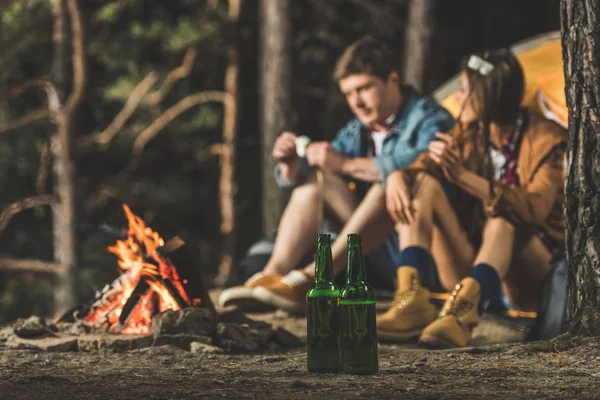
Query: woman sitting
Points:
[481, 214]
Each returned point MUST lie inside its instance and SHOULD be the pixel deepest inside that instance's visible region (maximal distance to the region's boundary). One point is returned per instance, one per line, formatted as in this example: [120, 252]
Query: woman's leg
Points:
[507, 256]
[529, 266]
[437, 230]
[460, 313]
[436, 227]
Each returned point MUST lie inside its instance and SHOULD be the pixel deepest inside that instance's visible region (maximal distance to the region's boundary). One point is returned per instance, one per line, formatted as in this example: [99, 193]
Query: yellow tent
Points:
[541, 59]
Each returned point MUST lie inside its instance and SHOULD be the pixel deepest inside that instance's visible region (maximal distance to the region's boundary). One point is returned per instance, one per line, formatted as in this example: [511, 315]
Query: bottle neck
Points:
[356, 264]
[324, 263]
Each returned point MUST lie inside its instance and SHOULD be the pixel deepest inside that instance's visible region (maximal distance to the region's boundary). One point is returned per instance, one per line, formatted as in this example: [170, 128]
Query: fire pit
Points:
[151, 283]
[159, 299]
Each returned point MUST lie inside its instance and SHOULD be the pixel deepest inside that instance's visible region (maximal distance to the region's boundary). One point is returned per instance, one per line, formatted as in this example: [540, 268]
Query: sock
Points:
[419, 258]
[490, 284]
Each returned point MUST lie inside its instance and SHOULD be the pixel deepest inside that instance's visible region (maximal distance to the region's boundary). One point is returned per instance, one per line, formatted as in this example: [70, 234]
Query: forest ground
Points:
[564, 368]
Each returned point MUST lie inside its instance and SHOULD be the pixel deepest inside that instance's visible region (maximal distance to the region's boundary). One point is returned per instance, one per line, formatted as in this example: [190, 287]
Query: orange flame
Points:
[139, 258]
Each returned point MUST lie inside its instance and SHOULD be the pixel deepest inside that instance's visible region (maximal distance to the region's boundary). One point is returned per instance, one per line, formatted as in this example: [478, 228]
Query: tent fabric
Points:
[541, 59]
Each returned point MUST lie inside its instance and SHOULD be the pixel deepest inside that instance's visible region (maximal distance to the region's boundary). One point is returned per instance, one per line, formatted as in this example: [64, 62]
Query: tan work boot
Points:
[411, 310]
[454, 326]
[288, 293]
[242, 296]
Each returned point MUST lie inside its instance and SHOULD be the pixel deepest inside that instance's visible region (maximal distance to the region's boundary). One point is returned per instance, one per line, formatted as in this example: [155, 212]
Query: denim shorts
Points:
[383, 262]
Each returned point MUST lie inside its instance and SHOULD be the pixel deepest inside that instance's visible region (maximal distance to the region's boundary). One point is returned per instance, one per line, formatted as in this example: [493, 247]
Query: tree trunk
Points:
[417, 48]
[227, 152]
[580, 20]
[64, 254]
[61, 146]
[275, 73]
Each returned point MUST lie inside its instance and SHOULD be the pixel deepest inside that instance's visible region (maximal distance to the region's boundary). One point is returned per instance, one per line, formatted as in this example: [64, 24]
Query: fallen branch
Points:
[28, 265]
[175, 75]
[170, 114]
[23, 204]
[133, 101]
[28, 119]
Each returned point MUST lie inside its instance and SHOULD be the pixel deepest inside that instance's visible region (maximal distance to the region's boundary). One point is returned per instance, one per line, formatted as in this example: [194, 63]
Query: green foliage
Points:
[125, 40]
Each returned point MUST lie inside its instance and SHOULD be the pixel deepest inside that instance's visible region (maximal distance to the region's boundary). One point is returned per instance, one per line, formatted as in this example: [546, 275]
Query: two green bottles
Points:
[342, 333]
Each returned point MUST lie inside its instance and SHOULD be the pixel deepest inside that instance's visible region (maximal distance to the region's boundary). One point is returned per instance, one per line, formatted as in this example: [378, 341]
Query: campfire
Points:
[159, 299]
[150, 283]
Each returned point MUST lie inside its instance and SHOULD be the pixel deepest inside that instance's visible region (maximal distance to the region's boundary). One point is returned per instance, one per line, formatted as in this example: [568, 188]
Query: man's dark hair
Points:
[366, 56]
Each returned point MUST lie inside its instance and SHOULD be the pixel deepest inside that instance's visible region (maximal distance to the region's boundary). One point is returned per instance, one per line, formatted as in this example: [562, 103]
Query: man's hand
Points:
[284, 149]
[398, 198]
[445, 153]
[323, 155]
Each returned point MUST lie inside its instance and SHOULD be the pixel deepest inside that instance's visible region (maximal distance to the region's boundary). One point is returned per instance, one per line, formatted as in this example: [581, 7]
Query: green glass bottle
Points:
[322, 313]
[357, 312]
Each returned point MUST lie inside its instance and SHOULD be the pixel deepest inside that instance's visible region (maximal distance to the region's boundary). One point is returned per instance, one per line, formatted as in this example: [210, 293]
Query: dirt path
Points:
[560, 370]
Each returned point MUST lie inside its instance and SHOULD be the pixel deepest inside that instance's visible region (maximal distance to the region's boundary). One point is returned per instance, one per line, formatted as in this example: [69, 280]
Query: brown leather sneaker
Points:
[242, 296]
[411, 310]
[454, 326]
[289, 293]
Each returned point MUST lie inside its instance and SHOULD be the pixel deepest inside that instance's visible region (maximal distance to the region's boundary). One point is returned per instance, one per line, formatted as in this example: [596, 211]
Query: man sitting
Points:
[393, 125]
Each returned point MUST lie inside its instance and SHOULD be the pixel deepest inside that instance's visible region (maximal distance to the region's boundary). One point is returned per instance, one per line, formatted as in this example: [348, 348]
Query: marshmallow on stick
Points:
[302, 143]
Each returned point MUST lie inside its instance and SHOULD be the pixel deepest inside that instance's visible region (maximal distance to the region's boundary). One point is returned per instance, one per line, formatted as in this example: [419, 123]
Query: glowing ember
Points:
[138, 258]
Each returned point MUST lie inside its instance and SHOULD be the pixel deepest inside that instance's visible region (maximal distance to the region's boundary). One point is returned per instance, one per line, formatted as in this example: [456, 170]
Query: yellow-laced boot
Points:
[455, 323]
[411, 310]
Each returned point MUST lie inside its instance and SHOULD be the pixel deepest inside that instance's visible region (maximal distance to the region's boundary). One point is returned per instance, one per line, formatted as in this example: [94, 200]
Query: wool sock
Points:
[421, 259]
[490, 284]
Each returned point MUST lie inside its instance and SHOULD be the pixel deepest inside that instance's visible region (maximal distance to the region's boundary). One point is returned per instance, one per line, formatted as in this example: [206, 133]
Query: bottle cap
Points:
[354, 238]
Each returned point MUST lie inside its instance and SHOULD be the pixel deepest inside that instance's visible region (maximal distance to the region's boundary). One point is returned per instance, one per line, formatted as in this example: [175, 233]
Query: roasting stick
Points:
[302, 143]
[320, 200]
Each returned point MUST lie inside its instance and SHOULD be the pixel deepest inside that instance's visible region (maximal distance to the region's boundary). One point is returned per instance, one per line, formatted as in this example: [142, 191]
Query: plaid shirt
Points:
[371, 153]
[508, 173]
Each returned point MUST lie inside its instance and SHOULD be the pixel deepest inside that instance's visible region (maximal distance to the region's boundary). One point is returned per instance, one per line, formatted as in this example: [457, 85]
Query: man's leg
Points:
[296, 235]
[298, 226]
[370, 220]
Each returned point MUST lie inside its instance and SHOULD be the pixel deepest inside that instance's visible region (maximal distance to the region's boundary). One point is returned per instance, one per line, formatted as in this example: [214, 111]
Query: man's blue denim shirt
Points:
[415, 125]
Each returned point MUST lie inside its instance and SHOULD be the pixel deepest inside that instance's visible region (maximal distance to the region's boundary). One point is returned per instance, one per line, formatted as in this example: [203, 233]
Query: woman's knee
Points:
[498, 228]
[423, 201]
[428, 188]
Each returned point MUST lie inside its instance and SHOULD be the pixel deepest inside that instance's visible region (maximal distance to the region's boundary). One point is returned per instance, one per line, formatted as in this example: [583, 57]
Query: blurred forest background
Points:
[147, 57]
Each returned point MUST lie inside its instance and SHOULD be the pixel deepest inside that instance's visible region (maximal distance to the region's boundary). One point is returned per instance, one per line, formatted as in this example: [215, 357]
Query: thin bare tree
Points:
[63, 210]
[275, 78]
[419, 31]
